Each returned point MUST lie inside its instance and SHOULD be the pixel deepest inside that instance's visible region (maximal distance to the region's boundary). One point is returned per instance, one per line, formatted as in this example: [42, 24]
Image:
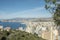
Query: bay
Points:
[13, 25]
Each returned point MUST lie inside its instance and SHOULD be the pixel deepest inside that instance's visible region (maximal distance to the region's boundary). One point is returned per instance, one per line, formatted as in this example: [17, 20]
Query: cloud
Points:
[28, 13]
[31, 10]
[35, 12]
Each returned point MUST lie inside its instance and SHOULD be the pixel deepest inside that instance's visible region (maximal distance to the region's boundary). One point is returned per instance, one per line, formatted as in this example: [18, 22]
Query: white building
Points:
[7, 28]
[1, 28]
[21, 28]
[29, 29]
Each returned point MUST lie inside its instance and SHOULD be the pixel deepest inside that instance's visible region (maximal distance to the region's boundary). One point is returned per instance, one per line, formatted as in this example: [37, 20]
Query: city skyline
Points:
[23, 9]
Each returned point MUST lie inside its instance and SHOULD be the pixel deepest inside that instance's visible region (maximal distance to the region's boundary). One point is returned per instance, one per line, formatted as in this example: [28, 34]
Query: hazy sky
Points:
[23, 8]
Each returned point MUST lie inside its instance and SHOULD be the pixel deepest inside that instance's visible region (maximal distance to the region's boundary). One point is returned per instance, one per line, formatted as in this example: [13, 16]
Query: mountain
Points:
[27, 19]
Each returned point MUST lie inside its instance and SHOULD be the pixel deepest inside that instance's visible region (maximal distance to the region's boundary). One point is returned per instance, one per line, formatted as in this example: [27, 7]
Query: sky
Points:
[23, 9]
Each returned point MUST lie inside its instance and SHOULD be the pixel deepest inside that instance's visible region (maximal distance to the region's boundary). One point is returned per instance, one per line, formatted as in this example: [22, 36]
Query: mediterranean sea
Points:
[13, 25]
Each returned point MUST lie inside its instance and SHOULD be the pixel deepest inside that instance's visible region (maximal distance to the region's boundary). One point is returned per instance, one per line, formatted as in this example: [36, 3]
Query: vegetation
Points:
[53, 6]
[18, 35]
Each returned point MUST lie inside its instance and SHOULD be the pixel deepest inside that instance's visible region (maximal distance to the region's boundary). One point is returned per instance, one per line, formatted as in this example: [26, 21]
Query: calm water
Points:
[13, 25]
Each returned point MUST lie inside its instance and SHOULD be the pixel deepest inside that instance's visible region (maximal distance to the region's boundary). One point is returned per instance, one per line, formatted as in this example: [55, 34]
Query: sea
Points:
[13, 25]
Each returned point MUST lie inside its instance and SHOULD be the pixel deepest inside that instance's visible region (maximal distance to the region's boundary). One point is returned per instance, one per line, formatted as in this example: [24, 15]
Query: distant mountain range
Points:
[27, 19]
[24, 18]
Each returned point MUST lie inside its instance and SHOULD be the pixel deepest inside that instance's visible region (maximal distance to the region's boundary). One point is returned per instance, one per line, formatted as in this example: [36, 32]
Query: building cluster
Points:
[44, 29]
[9, 28]
[6, 28]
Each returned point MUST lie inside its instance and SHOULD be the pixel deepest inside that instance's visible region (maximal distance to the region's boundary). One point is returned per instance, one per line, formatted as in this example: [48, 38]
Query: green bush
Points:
[18, 35]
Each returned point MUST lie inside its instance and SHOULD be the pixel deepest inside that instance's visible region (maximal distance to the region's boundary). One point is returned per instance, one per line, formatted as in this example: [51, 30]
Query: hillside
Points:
[18, 35]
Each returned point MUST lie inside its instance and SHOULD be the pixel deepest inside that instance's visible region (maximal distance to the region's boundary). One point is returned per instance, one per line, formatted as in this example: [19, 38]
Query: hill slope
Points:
[18, 35]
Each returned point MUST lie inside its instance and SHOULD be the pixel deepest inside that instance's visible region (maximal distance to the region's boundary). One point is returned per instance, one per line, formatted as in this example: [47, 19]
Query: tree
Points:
[3, 38]
[21, 35]
[53, 6]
